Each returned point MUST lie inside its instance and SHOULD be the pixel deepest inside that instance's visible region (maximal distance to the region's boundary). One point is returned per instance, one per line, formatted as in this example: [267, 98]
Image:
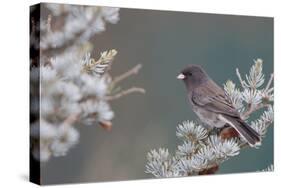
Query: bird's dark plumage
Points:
[211, 105]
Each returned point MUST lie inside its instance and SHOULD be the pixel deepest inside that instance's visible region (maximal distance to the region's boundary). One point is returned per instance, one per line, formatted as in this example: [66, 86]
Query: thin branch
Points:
[269, 82]
[125, 92]
[240, 78]
[125, 75]
[251, 110]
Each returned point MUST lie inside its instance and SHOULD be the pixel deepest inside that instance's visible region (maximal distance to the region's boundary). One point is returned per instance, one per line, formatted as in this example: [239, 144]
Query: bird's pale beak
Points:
[181, 76]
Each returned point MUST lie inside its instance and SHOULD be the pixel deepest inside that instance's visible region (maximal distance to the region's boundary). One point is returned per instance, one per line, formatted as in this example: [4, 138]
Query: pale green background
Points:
[164, 42]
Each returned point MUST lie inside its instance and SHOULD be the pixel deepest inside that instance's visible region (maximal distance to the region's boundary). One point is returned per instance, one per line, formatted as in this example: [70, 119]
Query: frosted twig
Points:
[125, 92]
[266, 91]
[240, 78]
[269, 82]
[125, 75]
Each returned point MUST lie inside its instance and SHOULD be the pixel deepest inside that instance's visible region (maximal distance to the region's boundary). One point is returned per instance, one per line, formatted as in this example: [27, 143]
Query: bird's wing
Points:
[211, 97]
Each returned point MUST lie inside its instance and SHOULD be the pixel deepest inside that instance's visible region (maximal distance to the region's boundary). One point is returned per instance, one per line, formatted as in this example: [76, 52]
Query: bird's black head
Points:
[193, 76]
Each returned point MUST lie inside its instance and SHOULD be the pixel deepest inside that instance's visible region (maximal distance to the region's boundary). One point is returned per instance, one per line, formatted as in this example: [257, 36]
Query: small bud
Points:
[107, 125]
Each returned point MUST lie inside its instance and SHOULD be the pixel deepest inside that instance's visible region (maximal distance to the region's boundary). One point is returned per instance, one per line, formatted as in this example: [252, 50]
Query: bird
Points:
[212, 106]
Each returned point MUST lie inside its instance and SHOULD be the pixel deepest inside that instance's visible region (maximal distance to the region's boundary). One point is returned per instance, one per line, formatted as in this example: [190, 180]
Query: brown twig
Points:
[125, 92]
[252, 109]
[125, 75]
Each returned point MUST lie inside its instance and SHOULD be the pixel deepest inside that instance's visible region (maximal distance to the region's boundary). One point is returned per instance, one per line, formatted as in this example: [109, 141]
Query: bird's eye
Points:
[189, 74]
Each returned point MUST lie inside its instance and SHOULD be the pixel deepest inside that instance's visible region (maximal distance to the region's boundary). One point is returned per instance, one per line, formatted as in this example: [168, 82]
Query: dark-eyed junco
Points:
[212, 106]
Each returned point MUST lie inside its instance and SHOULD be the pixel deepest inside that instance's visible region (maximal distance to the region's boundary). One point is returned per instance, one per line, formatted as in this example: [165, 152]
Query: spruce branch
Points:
[100, 66]
[73, 85]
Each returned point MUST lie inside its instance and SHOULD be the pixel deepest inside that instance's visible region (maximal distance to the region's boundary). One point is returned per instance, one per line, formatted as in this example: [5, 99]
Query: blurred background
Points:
[164, 43]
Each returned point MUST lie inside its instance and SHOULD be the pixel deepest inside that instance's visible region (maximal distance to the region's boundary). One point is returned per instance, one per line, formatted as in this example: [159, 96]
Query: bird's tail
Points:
[247, 132]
